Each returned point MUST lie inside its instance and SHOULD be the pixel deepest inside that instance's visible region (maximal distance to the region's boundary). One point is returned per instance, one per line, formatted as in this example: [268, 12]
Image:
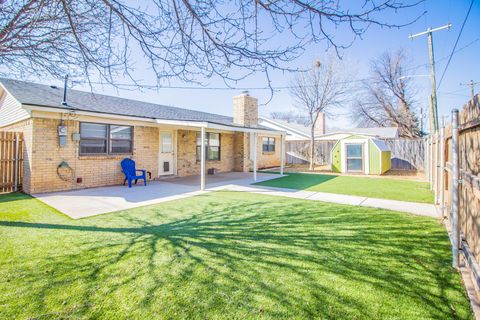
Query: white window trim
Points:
[366, 151]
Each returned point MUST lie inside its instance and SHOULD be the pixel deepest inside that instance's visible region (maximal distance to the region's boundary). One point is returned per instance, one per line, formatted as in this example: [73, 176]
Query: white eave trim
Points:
[193, 124]
[287, 128]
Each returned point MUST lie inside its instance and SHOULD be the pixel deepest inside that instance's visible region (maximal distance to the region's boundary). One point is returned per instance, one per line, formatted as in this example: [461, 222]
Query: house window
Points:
[120, 139]
[212, 145]
[268, 145]
[96, 138]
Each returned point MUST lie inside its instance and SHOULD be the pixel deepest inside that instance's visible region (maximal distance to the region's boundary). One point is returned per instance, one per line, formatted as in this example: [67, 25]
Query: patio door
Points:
[354, 157]
[167, 153]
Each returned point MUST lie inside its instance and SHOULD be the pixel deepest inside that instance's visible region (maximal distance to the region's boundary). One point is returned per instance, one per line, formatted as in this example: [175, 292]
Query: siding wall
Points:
[337, 158]
[386, 161]
[11, 111]
[374, 158]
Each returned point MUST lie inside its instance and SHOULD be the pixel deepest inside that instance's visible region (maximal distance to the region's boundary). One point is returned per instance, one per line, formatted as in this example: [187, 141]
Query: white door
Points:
[167, 154]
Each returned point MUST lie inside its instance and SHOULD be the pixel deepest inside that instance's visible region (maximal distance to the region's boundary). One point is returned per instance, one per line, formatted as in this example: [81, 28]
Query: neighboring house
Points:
[383, 133]
[80, 143]
[295, 131]
[299, 132]
[298, 138]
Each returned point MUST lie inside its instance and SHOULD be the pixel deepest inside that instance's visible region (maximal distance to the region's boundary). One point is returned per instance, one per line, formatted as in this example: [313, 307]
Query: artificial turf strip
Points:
[383, 188]
[226, 255]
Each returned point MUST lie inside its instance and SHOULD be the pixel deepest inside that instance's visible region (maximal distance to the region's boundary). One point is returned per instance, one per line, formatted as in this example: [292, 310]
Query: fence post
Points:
[435, 168]
[427, 160]
[432, 163]
[15, 174]
[455, 191]
[442, 168]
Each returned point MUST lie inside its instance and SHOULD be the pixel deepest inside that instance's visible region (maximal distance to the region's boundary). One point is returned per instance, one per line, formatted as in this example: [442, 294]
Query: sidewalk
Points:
[420, 209]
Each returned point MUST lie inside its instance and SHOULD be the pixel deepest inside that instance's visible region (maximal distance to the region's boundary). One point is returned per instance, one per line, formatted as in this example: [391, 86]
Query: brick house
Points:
[79, 143]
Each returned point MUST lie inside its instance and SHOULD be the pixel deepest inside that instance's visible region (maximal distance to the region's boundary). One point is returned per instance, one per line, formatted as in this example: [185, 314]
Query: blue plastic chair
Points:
[128, 169]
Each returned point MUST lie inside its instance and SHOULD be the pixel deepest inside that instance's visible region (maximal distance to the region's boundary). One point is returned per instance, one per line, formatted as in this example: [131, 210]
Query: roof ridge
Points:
[46, 86]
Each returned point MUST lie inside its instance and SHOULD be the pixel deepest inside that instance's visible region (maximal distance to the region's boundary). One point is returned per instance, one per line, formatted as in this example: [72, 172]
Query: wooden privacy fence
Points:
[454, 175]
[11, 161]
[298, 152]
[407, 154]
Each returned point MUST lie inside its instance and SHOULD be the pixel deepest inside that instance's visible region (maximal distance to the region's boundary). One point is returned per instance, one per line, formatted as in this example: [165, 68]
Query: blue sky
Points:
[465, 65]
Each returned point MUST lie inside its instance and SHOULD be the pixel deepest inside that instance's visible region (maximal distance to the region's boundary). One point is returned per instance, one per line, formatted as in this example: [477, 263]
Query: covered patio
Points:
[93, 201]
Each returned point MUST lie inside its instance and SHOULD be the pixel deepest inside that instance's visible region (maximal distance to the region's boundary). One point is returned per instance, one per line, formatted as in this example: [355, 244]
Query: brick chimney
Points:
[319, 128]
[245, 110]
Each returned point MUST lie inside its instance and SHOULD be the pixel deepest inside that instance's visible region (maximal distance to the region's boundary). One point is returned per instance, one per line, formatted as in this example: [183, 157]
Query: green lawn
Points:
[384, 188]
[225, 255]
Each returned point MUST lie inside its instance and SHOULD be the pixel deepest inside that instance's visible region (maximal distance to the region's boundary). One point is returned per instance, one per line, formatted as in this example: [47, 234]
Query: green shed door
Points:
[336, 158]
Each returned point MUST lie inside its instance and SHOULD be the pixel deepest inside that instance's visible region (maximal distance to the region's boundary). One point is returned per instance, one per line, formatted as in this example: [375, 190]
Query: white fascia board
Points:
[192, 124]
[244, 129]
[285, 127]
[86, 113]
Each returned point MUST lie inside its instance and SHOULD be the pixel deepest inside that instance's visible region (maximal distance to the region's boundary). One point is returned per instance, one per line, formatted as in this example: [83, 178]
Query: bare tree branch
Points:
[323, 87]
[388, 99]
[177, 39]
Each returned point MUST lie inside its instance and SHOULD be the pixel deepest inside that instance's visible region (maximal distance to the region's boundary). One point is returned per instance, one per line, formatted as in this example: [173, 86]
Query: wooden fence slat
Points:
[407, 154]
[11, 161]
[469, 186]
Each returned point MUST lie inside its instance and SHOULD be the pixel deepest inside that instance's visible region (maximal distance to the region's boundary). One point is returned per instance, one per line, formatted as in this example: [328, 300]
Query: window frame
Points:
[268, 145]
[208, 146]
[108, 140]
[362, 157]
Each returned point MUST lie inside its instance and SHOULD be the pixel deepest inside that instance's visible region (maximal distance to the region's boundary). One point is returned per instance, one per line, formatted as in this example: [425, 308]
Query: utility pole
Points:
[433, 96]
[472, 87]
[421, 121]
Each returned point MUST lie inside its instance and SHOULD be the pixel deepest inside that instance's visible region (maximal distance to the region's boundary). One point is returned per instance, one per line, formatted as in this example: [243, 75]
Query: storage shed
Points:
[361, 154]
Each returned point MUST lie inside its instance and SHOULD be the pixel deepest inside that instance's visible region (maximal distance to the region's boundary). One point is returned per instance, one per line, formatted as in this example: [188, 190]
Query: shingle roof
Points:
[382, 132]
[50, 96]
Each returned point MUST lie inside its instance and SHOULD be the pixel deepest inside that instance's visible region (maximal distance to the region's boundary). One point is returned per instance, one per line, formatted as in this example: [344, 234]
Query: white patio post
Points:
[202, 160]
[282, 148]
[255, 156]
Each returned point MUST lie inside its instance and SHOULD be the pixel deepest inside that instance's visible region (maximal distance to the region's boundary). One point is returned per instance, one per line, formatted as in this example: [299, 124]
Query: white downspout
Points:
[282, 148]
[255, 156]
[202, 160]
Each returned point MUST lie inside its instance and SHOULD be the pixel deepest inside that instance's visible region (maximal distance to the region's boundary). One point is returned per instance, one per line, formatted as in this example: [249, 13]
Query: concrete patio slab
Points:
[89, 202]
[93, 201]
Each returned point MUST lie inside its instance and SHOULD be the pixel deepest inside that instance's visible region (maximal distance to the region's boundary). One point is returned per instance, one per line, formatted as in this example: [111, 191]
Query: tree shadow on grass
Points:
[253, 259]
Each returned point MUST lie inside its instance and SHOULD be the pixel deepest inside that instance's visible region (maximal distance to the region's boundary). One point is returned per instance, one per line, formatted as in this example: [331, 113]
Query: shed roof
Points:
[381, 145]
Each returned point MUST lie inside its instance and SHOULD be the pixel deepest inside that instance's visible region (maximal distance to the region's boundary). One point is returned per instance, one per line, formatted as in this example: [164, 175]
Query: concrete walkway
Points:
[421, 209]
[89, 202]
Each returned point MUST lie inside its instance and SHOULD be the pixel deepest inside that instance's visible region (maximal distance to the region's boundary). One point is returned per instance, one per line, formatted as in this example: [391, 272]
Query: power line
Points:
[456, 42]
[125, 85]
